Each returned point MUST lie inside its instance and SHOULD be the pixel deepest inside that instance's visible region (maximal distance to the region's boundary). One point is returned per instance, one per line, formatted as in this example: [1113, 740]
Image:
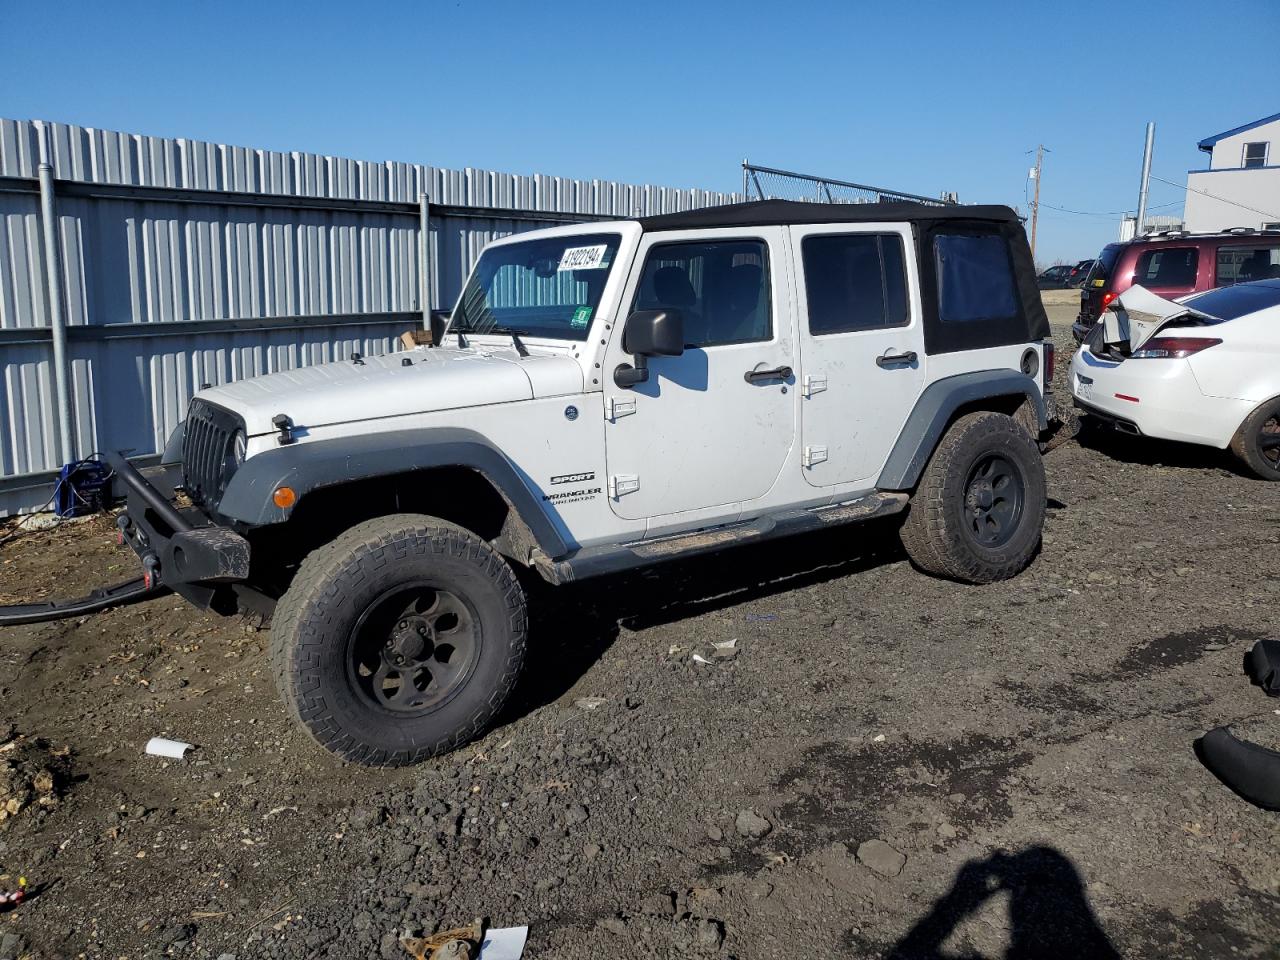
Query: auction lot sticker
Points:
[583, 258]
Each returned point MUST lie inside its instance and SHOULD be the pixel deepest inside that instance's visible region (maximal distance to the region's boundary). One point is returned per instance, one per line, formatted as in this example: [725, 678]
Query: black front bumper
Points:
[181, 549]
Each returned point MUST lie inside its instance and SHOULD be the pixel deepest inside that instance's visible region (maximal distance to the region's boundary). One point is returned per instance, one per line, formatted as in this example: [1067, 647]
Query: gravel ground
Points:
[890, 765]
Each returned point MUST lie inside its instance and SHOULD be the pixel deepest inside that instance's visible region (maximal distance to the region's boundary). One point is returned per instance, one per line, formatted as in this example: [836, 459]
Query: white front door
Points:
[861, 346]
[700, 435]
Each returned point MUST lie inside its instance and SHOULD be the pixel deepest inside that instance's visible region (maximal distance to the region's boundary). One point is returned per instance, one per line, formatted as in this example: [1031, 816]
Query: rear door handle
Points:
[892, 359]
[777, 373]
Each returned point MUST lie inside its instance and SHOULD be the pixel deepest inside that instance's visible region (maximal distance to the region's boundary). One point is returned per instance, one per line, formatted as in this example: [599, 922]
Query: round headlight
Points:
[239, 445]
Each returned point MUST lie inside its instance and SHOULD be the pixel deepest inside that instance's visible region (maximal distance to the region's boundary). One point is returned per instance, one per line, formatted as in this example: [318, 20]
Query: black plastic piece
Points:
[654, 333]
[777, 373]
[1251, 771]
[891, 360]
[282, 423]
[1262, 664]
[627, 376]
[131, 591]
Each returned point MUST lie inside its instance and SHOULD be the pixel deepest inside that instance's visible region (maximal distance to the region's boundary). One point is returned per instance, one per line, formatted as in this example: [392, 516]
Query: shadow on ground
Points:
[1152, 452]
[572, 626]
[1049, 914]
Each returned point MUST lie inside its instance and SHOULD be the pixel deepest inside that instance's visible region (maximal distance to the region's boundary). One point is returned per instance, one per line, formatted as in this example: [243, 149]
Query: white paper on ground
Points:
[504, 944]
[173, 749]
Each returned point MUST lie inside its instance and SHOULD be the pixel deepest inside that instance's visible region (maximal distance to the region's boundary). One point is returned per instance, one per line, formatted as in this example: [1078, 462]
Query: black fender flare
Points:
[934, 410]
[1251, 771]
[309, 466]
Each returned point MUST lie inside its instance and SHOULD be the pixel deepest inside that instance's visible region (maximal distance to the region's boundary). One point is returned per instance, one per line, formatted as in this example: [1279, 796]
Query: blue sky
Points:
[919, 96]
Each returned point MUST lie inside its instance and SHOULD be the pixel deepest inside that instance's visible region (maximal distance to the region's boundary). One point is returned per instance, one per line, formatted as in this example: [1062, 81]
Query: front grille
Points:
[207, 462]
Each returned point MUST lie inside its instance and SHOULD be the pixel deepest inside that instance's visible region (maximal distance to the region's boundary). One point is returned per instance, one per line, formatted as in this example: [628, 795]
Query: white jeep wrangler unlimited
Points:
[606, 396]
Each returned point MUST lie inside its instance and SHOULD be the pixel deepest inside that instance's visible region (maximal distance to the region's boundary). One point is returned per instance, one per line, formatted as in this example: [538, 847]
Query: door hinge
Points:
[623, 483]
[615, 408]
[813, 455]
[814, 385]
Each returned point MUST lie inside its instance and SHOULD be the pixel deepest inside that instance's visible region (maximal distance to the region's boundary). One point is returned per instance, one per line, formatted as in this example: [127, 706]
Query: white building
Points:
[1241, 187]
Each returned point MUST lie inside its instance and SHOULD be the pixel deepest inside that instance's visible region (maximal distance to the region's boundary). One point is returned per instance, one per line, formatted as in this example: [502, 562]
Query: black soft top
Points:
[928, 222]
[774, 212]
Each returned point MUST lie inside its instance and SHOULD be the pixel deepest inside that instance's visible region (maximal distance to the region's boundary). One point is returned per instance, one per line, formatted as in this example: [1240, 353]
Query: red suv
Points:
[1175, 264]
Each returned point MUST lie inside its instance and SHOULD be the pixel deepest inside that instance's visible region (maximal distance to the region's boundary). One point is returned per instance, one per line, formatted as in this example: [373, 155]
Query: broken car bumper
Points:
[181, 549]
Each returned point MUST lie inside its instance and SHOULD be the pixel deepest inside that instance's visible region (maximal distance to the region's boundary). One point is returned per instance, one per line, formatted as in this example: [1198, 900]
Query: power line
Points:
[1212, 196]
[1106, 213]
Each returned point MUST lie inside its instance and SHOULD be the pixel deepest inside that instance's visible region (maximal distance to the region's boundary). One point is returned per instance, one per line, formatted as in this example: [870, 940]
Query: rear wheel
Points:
[979, 509]
[399, 640]
[1257, 442]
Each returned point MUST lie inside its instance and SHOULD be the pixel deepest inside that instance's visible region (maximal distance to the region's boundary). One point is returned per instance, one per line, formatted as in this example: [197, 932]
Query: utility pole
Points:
[1146, 180]
[1035, 204]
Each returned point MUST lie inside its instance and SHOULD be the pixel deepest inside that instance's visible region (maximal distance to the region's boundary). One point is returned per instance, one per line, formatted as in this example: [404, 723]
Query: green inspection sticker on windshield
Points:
[581, 317]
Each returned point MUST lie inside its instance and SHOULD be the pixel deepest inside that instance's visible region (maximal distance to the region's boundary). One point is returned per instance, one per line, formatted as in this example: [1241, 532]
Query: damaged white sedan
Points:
[1206, 370]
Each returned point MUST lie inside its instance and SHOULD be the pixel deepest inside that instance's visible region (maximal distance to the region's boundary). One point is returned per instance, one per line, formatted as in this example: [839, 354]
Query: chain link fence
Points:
[767, 183]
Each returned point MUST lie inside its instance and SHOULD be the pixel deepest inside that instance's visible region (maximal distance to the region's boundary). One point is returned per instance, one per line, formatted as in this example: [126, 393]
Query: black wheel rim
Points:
[413, 648]
[1269, 442]
[994, 497]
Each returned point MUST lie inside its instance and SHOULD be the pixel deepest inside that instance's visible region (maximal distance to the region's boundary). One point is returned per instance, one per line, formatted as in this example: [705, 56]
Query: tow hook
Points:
[123, 523]
[151, 571]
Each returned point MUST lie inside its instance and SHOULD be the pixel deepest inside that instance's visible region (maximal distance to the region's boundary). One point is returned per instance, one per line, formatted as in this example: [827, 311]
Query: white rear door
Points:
[861, 346]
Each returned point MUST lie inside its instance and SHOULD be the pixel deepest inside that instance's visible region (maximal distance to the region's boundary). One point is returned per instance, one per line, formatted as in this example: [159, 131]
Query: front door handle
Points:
[777, 373]
[892, 359]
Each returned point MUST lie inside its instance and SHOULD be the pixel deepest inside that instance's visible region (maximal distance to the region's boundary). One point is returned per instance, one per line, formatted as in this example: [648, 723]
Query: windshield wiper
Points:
[515, 336]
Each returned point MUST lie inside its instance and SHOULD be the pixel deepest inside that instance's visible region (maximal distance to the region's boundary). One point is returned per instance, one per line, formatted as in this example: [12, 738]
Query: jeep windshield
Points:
[538, 288]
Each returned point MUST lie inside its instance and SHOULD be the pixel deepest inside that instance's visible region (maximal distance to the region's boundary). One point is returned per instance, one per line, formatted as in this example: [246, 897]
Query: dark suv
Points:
[1175, 264]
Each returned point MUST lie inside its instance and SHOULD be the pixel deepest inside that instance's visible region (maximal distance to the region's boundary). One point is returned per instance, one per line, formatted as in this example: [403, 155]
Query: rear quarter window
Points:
[975, 278]
[1241, 263]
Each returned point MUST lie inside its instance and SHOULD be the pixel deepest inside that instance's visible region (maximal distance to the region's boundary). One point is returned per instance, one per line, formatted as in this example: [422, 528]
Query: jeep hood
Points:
[443, 378]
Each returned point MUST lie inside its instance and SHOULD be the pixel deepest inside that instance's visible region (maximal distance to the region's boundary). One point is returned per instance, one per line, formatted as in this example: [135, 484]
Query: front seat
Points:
[672, 288]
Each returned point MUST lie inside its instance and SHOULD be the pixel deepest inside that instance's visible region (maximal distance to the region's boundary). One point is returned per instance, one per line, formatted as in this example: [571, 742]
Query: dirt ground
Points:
[890, 766]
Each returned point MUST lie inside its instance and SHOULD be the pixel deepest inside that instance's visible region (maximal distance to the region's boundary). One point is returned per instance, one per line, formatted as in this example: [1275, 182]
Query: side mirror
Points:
[438, 323]
[649, 333]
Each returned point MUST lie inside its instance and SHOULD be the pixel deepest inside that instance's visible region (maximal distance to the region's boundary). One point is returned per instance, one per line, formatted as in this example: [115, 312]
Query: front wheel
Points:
[978, 511]
[400, 640]
[1257, 442]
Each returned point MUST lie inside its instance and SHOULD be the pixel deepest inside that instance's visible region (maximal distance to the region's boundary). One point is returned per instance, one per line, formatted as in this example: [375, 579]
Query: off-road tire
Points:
[935, 532]
[335, 583]
[1245, 444]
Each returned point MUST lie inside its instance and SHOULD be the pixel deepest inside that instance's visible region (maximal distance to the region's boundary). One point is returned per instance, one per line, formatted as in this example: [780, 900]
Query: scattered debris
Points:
[173, 749]
[882, 858]
[699, 658]
[725, 649]
[761, 617]
[505, 943]
[590, 703]
[32, 773]
[10, 899]
[469, 943]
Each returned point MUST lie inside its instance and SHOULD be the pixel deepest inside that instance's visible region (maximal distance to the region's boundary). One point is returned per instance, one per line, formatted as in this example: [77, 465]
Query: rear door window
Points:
[1167, 267]
[1242, 263]
[854, 281]
[975, 278]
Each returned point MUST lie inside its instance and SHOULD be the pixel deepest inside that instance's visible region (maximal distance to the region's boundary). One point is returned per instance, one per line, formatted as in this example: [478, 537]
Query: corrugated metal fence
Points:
[186, 262]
